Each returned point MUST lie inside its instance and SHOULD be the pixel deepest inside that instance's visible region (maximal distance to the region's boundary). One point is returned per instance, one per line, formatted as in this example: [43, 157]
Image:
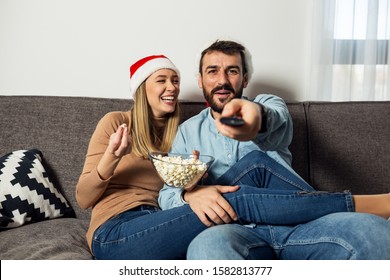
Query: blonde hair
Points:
[145, 135]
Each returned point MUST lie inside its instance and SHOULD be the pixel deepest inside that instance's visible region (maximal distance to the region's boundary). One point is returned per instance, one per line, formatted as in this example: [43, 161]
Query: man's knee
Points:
[365, 236]
[213, 243]
[229, 242]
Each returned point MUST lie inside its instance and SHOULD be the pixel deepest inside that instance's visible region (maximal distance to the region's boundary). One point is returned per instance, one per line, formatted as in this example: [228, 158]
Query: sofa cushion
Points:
[27, 194]
[55, 239]
[349, 146]
[298, 145]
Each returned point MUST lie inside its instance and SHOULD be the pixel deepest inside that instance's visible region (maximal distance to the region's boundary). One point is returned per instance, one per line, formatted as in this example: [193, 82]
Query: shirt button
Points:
[229, 156]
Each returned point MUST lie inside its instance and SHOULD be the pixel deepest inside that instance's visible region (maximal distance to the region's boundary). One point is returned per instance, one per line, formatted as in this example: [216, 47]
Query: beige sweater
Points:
[133, 183]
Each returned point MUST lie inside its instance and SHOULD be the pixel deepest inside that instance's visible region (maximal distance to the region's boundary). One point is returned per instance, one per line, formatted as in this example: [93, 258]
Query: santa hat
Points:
[145, 67]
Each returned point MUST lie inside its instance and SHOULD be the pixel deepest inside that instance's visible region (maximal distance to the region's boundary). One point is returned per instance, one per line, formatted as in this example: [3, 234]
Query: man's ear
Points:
[200, 81]
[245, 80]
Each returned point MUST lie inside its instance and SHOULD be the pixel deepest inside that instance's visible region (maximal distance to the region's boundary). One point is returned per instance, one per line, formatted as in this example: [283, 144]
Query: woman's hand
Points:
[196, 155]
[210, 206]
[118, 146]
[119, 142]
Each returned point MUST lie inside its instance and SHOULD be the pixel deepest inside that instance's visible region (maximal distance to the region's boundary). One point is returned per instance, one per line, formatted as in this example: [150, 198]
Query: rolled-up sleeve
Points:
[170, 197]
[279, 131]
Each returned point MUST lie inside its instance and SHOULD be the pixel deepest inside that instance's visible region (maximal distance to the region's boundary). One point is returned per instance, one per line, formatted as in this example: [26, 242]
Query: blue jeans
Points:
[338, 236]
[269, 195]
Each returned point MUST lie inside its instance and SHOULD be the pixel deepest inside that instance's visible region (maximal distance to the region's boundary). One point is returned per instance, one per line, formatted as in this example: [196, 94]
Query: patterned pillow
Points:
[27, 195]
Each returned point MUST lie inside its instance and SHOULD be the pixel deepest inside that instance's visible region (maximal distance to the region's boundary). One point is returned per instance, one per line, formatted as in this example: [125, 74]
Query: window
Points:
[351, 52]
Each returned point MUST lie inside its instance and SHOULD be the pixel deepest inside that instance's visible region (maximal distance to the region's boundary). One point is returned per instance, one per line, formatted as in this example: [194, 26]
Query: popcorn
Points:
[178, 171]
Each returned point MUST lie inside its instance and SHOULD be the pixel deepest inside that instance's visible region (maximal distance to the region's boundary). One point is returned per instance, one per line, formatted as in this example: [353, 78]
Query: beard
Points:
[218, 106]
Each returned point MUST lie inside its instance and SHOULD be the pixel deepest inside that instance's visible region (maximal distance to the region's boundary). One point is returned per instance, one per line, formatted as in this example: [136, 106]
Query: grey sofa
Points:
[336, 146]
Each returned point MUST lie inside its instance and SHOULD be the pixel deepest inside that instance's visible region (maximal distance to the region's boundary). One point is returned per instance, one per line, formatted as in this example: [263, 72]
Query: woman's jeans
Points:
[275, 210]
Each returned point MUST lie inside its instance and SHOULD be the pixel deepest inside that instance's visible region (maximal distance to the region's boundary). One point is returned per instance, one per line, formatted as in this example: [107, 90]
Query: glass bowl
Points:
[180, 170]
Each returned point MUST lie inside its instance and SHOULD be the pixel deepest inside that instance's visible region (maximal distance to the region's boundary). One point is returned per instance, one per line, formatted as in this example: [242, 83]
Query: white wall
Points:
[85, 47]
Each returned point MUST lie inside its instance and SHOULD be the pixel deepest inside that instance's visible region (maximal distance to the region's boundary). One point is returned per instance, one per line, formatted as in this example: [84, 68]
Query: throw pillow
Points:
[27, 194]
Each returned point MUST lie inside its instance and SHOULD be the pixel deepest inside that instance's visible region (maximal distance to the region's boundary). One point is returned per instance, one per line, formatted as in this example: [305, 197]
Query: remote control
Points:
[232, 121]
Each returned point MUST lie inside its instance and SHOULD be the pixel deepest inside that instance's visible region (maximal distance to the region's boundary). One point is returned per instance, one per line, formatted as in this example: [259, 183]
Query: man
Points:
[224, 71]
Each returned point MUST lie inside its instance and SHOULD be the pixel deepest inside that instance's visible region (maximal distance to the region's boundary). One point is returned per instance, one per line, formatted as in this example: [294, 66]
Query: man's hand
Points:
[210, 206]
[249, 111]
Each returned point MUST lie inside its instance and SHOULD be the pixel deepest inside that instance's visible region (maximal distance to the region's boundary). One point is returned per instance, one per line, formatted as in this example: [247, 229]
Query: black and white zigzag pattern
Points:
[26, 193]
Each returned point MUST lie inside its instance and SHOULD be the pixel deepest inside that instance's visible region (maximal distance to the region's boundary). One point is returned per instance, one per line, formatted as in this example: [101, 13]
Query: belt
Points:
[144, 207]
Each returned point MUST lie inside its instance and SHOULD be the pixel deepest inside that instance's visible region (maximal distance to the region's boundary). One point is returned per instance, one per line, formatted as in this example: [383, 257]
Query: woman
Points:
[118, 180]
[121, 186]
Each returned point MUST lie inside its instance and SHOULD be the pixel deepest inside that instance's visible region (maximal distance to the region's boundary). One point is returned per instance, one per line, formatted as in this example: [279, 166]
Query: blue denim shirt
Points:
[200, 133]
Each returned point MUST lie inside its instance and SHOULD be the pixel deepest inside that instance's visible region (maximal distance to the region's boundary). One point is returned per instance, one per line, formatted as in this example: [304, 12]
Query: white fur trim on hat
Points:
[145, 67]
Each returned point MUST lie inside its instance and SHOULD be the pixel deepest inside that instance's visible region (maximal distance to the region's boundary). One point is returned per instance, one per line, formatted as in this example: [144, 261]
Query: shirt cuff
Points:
[182, 192]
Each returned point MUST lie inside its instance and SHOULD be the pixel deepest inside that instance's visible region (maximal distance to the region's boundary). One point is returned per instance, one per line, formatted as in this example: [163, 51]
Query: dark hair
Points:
[226, 47]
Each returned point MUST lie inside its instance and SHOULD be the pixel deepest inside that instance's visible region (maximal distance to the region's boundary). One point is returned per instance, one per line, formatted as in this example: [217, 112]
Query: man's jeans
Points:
[269, 195]
[337, 236]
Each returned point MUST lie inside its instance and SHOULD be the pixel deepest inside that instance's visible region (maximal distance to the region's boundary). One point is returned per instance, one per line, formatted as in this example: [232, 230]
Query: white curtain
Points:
[350, 50]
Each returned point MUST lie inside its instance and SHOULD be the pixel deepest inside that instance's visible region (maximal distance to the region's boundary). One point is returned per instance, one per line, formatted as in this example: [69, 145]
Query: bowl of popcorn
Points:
[180, 170]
